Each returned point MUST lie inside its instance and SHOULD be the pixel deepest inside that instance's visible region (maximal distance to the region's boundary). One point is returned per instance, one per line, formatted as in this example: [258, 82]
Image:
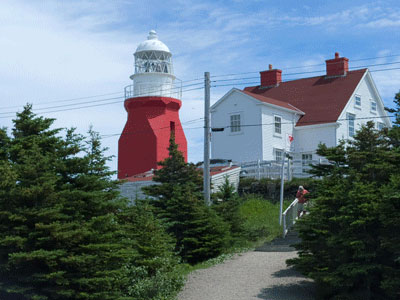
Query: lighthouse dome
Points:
[154, 73]
[152, 44]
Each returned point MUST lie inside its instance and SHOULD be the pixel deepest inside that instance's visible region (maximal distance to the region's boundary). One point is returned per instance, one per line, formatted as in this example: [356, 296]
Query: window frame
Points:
[276, 151]
[357, 103]
[351, 124]
[277, 123]
[235, 128]
[374, 106]
[305, 162]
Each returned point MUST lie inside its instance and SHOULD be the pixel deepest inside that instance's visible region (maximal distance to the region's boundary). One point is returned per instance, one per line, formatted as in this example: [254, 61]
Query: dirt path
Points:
[252, 275]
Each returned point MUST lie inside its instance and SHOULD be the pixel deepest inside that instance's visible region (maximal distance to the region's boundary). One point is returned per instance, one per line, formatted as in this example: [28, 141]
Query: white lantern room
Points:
[154, 75]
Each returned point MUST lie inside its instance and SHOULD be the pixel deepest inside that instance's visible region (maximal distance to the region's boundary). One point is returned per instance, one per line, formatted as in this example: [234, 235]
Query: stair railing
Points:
[290, 216]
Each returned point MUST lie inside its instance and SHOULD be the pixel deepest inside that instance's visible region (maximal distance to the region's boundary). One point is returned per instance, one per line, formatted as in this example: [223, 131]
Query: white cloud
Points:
[66, 49]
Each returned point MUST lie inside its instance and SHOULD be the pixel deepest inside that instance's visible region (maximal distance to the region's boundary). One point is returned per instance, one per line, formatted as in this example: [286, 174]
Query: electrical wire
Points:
[305, 66]
[94, 105]
[258, 82]
[95, 96]
[311, 122]
[78, 105]
[148, 131]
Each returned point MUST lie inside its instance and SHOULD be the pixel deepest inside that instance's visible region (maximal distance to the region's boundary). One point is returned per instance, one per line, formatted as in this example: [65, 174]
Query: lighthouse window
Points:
[172, 127]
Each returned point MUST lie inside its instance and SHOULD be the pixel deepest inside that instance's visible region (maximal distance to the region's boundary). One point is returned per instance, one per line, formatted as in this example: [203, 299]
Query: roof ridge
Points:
[254, 95]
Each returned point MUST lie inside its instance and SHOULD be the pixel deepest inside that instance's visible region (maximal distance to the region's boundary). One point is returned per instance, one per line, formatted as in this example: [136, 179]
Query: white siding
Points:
[307, 138]
[270, 139]
[238, 146]
[133, 190]
[218, 180]
[362, 113]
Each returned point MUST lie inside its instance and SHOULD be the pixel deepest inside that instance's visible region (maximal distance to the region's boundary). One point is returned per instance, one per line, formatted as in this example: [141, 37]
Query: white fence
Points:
[272, 169]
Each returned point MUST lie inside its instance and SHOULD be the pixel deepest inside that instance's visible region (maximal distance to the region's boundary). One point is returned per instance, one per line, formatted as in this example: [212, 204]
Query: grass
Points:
[261, 219]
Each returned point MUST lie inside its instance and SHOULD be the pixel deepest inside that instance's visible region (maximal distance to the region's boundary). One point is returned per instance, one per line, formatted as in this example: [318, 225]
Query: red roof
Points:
[321, 98]
[147, 176]
[221, 169]
[273, 101]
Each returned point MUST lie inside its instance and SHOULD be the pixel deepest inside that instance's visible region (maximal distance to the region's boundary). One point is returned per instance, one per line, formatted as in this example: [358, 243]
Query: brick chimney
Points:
[271, 77]
[339, 66]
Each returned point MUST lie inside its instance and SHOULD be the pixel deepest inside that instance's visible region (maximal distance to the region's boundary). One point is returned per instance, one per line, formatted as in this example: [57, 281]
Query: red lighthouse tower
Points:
[153, 104]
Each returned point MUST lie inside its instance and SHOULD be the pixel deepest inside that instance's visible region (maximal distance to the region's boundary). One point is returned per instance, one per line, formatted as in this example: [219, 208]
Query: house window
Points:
[350, 119]
[380, 125]
[235, 123]
[357, 100]
[278, 155]
[306, 160]
[278, 125]
[373, 106]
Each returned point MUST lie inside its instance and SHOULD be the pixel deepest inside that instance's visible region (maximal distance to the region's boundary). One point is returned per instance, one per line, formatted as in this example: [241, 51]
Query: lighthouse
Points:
[152, 102]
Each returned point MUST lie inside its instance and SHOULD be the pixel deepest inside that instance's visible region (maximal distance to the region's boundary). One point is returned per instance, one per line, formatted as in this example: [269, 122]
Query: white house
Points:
[259, 120]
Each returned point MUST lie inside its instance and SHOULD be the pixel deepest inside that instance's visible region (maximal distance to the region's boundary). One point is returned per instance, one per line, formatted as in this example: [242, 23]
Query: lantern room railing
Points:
[173, 90]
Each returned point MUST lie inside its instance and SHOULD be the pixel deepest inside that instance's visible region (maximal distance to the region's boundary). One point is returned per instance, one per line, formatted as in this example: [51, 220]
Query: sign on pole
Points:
[289, 144]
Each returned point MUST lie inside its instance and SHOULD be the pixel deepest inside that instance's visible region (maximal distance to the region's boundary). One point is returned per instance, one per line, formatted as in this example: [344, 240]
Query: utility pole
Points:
[282, 182]
[206, 165]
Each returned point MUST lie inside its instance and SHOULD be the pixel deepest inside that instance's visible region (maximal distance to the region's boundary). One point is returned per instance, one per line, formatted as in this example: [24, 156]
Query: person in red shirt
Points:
[300, 195]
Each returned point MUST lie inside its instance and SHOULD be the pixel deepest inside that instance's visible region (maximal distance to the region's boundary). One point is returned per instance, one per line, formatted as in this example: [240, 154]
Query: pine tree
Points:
[200, 234]
[154, 272]
[59, 231]
[342, 244]
[226, 204]
[174, 171]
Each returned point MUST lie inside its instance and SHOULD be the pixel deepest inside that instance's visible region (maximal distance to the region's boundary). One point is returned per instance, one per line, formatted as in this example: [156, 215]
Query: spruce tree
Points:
[344, 241]
[154, 270]
[200, 234]
[226, 204]
[59, 232]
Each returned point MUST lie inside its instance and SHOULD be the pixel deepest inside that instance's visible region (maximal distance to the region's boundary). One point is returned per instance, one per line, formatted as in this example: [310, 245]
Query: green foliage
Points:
[349, 243]
[226, 204]
[174, 172]
[64, 232]
[200, 234]
[260, 219]
[270, 188]
[154, 271]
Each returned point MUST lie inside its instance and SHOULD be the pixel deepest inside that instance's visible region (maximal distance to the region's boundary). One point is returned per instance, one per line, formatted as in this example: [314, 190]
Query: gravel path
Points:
[251, 275]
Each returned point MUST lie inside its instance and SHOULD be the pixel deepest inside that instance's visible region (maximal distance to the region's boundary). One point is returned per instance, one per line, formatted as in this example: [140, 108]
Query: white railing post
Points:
[290, 211]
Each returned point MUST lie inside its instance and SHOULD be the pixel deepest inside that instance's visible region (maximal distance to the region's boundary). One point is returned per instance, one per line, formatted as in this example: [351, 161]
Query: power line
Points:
[65, 100]
[43, 110]
[101, 95]
[147, 131]
[311, 121]
[94, 105]
[307, 66]
[319, 71]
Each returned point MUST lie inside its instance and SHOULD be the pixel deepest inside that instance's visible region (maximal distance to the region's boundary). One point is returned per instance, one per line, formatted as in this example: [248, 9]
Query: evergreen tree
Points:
[154, 272]
[343, 246]
[226, 204]
[200, 234]
[59, 232]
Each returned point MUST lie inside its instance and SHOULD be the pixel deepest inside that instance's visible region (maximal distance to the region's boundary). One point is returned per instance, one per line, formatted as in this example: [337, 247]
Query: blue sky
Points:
[60, 50]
